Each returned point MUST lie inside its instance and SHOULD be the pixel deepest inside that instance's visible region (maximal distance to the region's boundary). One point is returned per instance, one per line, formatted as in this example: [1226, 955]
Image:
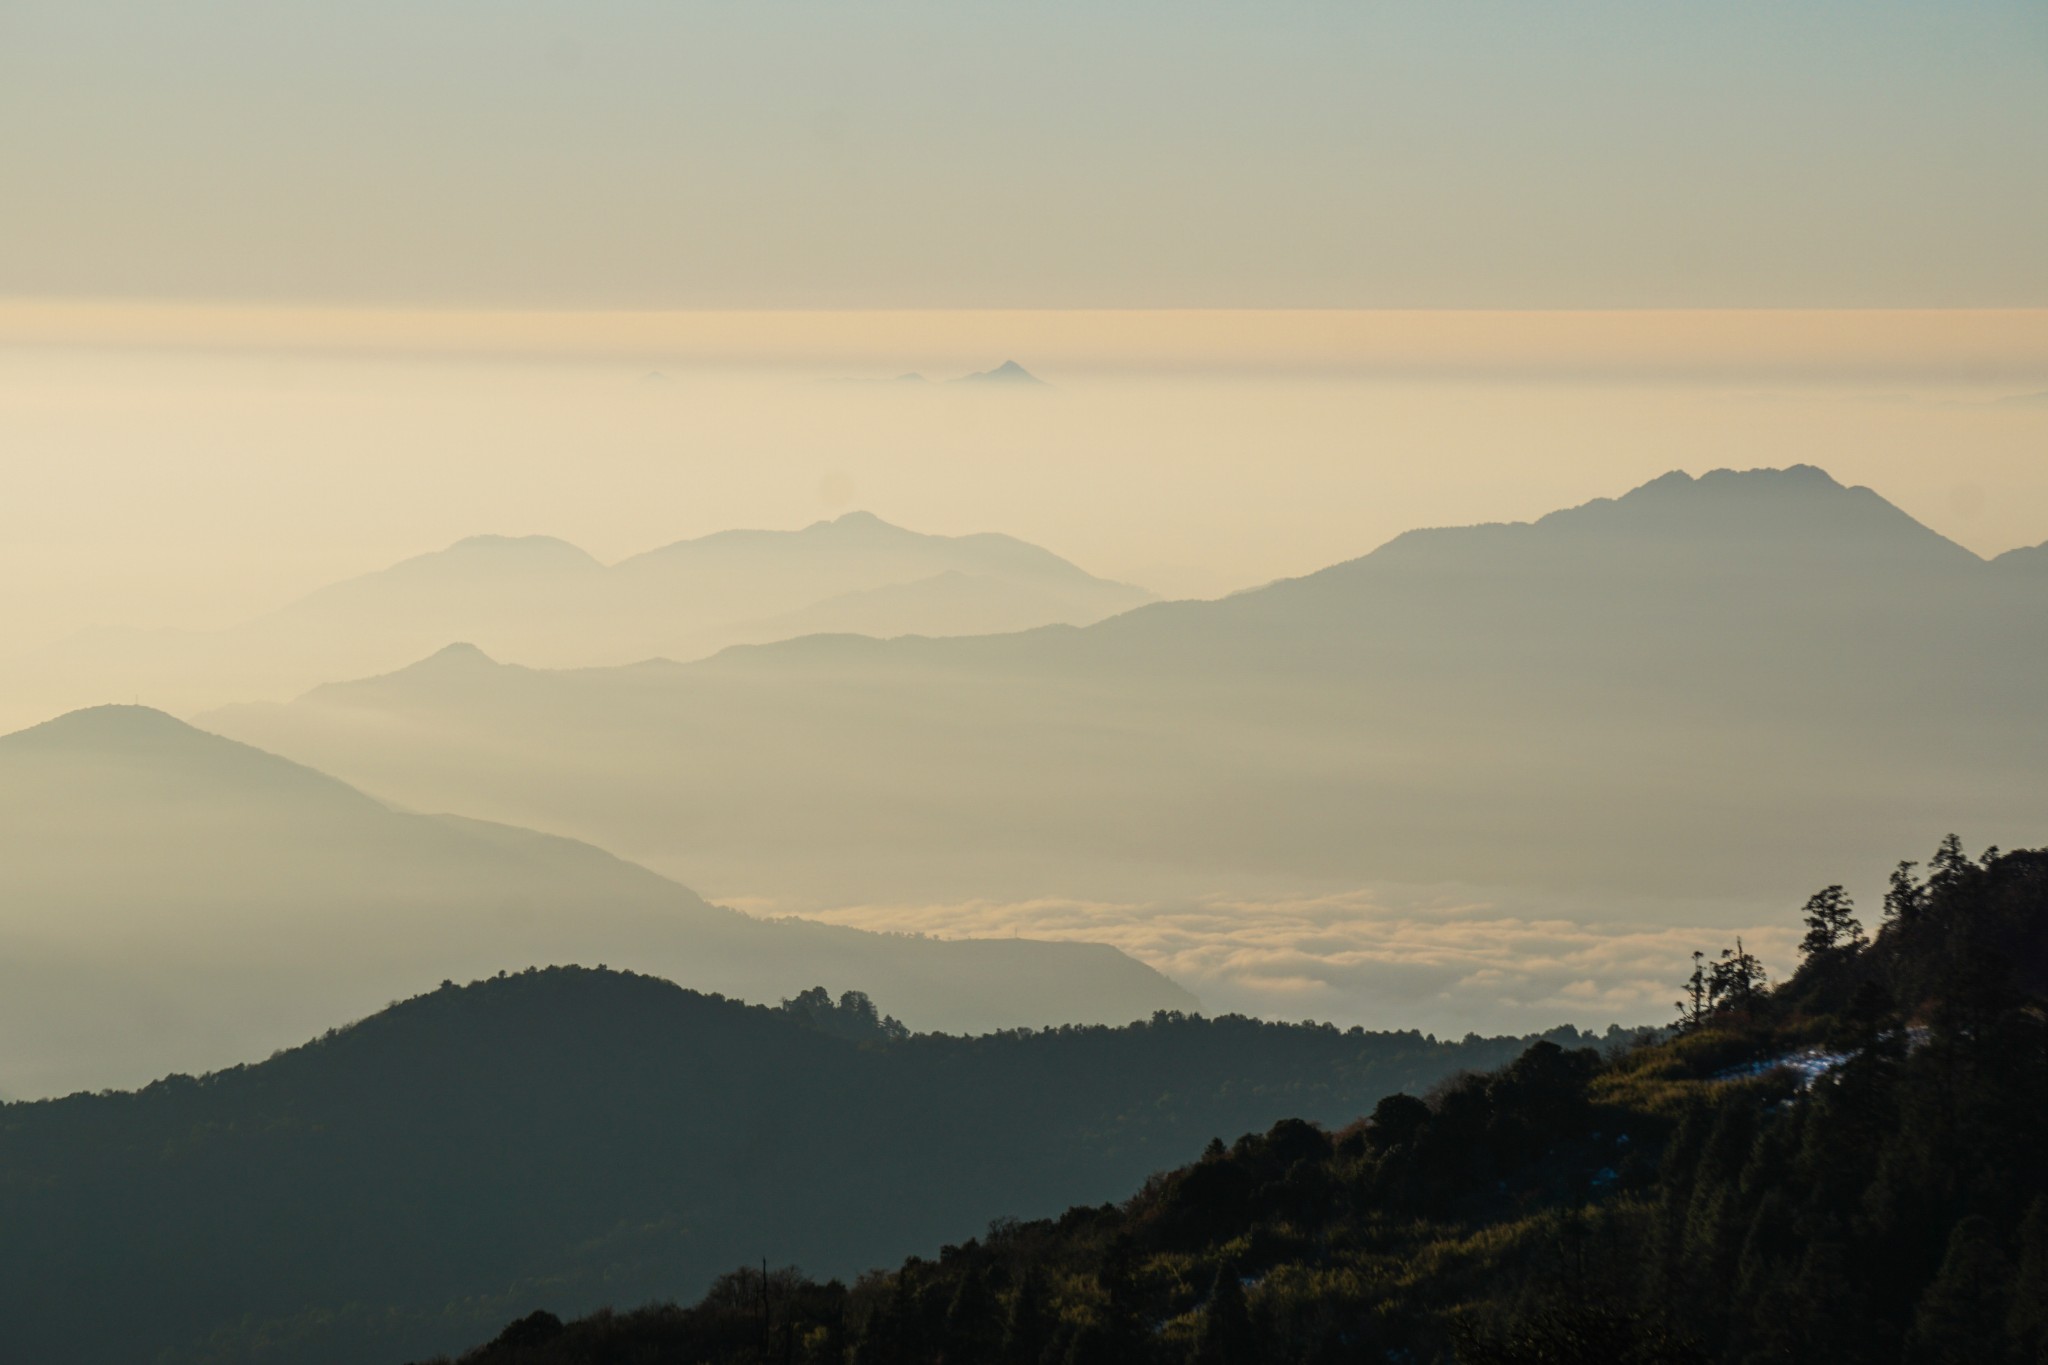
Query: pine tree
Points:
[1122, 1329]
[974, 1330]
[1030, 1326]
[1692, 1010]
[2027, 1324]
[1831, 925]
[1949, 868]
[1226, 1337]
[1736, 981]
[1962, 1316]
[1904, 897]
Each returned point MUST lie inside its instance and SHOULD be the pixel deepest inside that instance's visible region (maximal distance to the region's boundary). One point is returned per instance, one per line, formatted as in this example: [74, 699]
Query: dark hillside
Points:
[569, 1137]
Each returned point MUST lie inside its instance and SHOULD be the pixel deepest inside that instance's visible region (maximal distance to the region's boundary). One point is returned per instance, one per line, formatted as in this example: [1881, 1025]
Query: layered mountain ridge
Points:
[1618, 697]
[544, 601]
[172, 900]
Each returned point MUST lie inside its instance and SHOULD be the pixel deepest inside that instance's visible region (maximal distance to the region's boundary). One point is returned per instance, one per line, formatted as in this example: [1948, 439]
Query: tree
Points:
[854, 1017]
[1950, 867]
[1120, 1319]
[1905, 897]
[1961, 1319]
[1227, 1337]
[1867, 1017]
[1397, 1121]
[1736, 982]
[1692, 1010]
[1030, 1326]
[1832, 928]
[2027, 1323]
[535, 1329]
[974, 1331]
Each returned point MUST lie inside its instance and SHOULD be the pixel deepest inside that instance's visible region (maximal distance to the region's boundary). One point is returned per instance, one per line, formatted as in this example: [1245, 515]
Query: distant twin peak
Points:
[1799, 476]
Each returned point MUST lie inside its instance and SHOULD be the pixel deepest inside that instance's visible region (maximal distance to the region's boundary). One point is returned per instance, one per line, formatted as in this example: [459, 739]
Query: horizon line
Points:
[1971, 346]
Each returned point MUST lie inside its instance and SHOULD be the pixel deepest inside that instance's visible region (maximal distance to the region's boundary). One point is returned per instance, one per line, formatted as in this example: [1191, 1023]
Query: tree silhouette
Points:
[1736, 982]
[1904, 896]
[1832, 928]
[1962, 1316]
[1227, 1337]
[1692, 1010]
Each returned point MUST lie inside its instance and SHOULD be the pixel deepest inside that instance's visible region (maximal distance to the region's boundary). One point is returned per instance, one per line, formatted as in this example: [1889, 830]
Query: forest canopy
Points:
[567, 1137]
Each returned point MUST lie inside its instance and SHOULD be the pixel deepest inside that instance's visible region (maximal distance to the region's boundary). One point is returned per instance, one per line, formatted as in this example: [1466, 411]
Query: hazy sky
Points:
[362, 279]
[1054, 154]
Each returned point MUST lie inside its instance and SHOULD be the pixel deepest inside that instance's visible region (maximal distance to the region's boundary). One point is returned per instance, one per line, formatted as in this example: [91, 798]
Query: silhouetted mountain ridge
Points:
[574, 1137]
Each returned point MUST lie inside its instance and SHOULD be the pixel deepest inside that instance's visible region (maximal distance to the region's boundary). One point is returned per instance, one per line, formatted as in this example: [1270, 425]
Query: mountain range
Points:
[171, 900]
[1676, 687]
[543, 601]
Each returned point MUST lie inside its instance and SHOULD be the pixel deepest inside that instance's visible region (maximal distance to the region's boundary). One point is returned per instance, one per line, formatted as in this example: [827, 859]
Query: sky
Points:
[289, 291]
[631, 154]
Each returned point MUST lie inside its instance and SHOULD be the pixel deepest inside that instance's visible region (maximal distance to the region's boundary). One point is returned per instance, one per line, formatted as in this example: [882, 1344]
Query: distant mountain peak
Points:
[859, 523]
[1763, 482]
[516, 548]
[459, 653]
[459, 661]
[1009, 372]
[1787, 497]
[1801, 508]
[92, 745]
[97, 726]
[1739, 519]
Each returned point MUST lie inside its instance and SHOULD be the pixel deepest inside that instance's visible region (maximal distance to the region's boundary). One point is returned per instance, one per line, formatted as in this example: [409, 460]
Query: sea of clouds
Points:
[1440, 962]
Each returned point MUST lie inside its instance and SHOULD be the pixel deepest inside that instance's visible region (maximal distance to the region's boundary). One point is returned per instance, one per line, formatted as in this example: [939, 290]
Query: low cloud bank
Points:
[1445, 964]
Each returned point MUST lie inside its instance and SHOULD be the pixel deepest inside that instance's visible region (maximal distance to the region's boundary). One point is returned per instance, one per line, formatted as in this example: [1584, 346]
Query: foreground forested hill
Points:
[1846, 1168]
[567, 1138]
